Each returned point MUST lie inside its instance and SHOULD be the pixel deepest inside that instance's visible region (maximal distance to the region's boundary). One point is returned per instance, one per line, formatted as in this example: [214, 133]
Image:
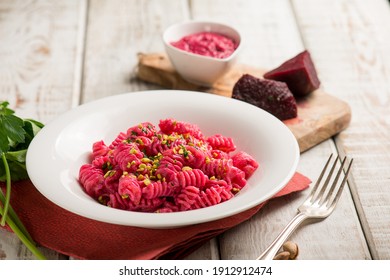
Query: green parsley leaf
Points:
[4, 110]
[4, 143]
[15, 136]
[17, 165]
[11, 128]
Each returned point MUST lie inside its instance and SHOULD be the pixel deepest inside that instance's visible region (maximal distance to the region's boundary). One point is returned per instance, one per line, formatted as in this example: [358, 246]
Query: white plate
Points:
[63, 145]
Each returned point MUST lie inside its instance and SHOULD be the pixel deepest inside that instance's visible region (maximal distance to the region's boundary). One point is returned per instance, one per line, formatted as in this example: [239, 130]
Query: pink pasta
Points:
[166, 168]
[130, 188]
[99, 149]
[189, 177]
[92, 179]
[221, 143]
[245, 162]
[119, 139]
[158, 189]
[187, 197]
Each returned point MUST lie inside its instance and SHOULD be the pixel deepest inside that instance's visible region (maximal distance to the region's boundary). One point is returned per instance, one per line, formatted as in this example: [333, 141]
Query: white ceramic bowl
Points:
[57, 152]
[199, 69]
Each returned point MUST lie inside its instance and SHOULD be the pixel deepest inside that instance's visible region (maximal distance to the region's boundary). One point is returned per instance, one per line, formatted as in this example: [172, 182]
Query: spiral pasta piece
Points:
[119, 139]
[158, 189]
[190, 177]
[146, 129]
[222, 143]
[187, 197]
[245, 162]
[92, 179]
[99, 149]
[127, 156]
[169, 126]
[129, 187]
[207, 198]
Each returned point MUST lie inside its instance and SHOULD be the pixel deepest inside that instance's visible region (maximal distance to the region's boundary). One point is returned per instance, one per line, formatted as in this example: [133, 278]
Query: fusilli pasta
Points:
[169, 168]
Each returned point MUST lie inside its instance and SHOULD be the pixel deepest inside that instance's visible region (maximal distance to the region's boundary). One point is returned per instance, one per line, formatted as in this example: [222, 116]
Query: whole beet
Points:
[271, 96]
[298, 73]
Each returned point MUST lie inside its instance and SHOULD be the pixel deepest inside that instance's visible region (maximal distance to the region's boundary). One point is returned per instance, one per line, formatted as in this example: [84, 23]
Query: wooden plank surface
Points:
[115, 36]
[272, 36]
[350, 45]
[58, 54]
[39, 51]
[320, 115]
[38, 55]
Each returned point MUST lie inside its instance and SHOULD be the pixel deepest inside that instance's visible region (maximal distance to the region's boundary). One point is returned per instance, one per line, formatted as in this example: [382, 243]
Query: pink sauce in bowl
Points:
[208, 44]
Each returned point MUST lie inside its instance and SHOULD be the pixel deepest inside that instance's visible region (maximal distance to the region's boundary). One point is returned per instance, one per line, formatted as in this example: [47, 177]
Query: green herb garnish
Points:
[15, 137]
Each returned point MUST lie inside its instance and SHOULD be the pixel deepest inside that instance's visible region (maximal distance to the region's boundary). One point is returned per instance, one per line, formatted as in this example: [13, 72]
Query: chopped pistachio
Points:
[147, 182]
[185, 168]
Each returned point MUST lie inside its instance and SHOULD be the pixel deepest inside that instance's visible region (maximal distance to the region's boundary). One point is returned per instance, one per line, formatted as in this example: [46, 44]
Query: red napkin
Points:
[83, 238]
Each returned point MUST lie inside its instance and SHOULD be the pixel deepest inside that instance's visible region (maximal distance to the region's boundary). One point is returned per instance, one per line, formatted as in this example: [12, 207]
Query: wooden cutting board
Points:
[320, 115]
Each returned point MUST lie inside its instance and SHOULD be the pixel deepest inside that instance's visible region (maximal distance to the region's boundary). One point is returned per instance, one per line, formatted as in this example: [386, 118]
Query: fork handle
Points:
[271, 251]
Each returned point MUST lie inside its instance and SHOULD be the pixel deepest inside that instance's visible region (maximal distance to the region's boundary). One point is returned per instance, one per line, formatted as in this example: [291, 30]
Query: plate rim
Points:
[199, 214]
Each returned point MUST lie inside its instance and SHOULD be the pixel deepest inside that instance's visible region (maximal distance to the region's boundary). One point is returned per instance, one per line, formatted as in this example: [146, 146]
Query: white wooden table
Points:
[55, 55]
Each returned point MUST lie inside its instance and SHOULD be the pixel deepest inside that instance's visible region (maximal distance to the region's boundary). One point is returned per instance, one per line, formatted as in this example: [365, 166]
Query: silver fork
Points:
[319, 204]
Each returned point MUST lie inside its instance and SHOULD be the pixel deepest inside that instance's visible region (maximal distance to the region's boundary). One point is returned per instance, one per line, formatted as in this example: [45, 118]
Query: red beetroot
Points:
[271, 96]
[298, 73]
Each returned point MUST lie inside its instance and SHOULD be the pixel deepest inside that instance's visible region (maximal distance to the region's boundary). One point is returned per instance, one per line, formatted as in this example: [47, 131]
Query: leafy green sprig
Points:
[16, 135]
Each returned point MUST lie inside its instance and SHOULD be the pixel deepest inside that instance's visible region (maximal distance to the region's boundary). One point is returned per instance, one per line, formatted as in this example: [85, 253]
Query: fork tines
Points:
[321, 195]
